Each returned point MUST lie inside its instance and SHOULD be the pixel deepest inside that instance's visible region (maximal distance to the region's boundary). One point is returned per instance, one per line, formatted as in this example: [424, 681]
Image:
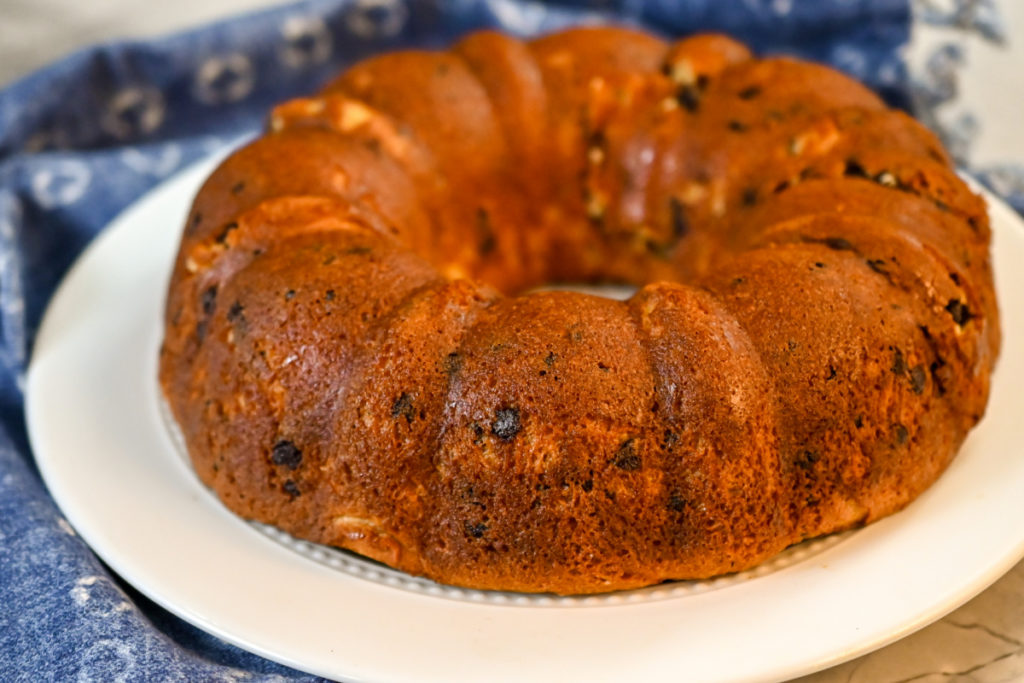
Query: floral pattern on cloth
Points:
[85, 137]
[945, 31]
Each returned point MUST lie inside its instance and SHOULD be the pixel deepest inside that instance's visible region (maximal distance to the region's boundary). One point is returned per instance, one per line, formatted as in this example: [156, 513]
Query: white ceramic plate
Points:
[96, 426]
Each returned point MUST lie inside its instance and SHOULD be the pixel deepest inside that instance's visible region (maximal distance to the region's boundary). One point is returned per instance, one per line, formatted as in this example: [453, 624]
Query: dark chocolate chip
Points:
[476, 530]
[858, 421]
[737, 126]
[289, 295]
[223, 236]
[402, 407]
[238, 187]
[676, 503]
[838, 243]
[209, 300]
[235, 311]
[287, 454]
[940, 385]
[329, 295]
[680, 224]
[901, 434]
[452, 363]
[960, 312]
[918, 379]
[291, 488]
[485, 233]
[877, 265]
[899, 364]
[588, 485]
[549, 360]
[689, 97]
[669, 438]
[749, 92]
[478, 433]
[626, 457]
[806, 459]
[819, 264]
[781, 187]
[506, 423]
[831, 373]
[854, 169]
[749, 197]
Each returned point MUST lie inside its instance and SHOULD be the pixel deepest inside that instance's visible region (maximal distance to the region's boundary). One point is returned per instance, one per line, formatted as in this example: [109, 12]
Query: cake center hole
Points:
[619, 292]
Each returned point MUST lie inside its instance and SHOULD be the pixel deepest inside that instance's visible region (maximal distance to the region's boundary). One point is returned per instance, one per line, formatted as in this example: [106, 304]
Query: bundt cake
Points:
[356, 350]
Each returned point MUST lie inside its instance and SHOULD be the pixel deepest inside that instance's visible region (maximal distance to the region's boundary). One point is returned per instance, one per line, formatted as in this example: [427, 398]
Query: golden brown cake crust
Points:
[353, 353]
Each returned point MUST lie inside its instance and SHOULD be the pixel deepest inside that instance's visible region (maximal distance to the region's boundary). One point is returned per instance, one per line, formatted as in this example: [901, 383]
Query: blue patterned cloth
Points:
[82, 139]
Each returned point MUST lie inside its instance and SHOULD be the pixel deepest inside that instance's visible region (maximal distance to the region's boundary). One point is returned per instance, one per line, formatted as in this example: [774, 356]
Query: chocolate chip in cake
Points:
[877, 265]
[329, 295]
[286, 454]
[858, 421]
[209, 300]
[918, 379]
[749, 93]
[854, 169]
[478, 432]
[676, 503]
[626, 457]
[669, 439]
[901, 434]
[476, 530]
[228, 227]
[506, 423]
[806, 459]
[485, 233]
[838, 244]
[402, 407]
[235, 311]
[549, 360]
[831, 373]
[749, 197]
[689, 97]
[899, 364]
[737, 126]
[453, 363]
[587, 485]
[291, 488]
[289, 295]
[677, 214]
[960, 312]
